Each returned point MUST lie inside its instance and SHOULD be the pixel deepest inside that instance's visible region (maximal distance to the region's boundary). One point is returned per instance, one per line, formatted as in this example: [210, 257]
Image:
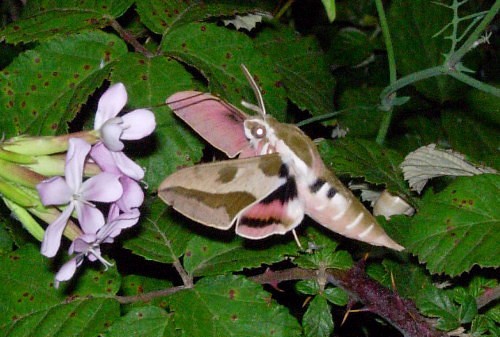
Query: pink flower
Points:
[76, 194]
[88, 244]
[136, 124]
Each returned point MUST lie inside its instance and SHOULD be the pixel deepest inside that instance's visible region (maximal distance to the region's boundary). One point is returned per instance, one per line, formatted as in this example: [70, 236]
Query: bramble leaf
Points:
[458, 227]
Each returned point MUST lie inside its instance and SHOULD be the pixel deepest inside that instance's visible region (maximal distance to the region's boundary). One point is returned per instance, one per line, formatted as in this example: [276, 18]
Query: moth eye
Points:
[259, 131]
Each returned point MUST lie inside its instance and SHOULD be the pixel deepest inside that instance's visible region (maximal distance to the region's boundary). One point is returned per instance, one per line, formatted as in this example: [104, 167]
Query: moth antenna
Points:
[256, 91]
[297, 239]
[252, 107]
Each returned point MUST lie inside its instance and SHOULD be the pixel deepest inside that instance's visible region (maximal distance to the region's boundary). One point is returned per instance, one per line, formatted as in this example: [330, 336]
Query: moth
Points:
[277, 179]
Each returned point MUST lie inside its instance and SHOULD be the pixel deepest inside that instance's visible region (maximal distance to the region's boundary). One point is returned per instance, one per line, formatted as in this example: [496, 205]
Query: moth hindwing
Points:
[279, 177]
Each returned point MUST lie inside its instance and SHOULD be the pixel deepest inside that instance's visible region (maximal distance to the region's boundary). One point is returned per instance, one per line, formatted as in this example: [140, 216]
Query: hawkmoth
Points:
[277, 179]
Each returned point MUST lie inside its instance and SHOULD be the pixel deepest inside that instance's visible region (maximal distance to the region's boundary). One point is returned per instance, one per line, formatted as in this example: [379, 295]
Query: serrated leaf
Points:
[437, 303]
[413, 25]
[458, 227]
[325, 258]
[57, 78]
[149, 82]
[161, 236]
[472, 137]
[163, 16]
[147, 321]
[336, 296]
[218, 53]
[230, 306]
[308, 84]
[428, 162]
[363, 158]
[32, 307]
[317, 320]
[204, 256]
[43, 20]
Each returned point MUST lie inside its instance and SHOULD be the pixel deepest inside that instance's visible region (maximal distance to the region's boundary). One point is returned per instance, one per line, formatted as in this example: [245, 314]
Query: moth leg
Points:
[297, 239]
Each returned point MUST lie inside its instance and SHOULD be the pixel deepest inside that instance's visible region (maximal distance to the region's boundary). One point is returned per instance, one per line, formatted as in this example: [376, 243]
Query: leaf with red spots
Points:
[57, 78]
[43, 20]
[162, 16]
[458, 227]
[230, 306]
[209, 257]
[149, 82]
[308, 84]
[137, 285]
[162, 235]
[32, 307]
[218, 52]
[145, 321]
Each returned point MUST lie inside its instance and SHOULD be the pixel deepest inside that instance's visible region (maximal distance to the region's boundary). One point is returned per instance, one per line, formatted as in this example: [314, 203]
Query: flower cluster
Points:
[116, 186]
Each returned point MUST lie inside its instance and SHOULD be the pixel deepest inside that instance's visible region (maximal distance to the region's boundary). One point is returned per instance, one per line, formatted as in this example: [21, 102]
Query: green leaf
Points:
[146, 321]
[437, 303]
[350, 47]
[330, 9]
[230, 306]
[308, 287]
[317, 320]
[458, 227]
[149, 82]
[204, 256]
[359, 111]
[218, 53]
[57, 78]
[484, 105]
[413, 24]
[325, 256]
[163, 16]
[363, 158]
[32, 307]
[336, 296]
[43, 20]
[472, 137]
[161, 236]
[308, 84]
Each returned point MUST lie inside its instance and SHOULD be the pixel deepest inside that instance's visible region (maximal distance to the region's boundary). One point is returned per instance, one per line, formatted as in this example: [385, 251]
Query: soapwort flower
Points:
[133, 125]
[88, 244]
[77, 195]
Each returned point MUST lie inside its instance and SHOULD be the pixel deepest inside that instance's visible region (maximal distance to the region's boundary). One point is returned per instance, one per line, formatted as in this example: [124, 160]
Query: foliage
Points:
[174, 277]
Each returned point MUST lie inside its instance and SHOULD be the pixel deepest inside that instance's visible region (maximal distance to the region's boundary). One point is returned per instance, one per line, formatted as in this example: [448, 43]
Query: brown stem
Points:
[400, 312]
[129, 38]
[149, 296]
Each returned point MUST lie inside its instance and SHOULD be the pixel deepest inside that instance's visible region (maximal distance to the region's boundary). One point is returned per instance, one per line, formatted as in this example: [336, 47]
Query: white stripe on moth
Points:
[366, 231]
[356, 222]
[342, 203]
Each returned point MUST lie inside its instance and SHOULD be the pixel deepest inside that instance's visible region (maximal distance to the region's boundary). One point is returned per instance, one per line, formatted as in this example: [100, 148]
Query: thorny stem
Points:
[129, 38]
[149, 296]
[400, 312]
[489, 296]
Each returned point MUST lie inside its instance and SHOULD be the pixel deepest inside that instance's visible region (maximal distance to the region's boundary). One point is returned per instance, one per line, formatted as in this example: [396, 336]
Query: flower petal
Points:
[53, 233]
[68, 270]
[128, 166]
[82, 243]
[132, 197]
[78, 150]
[111, 133]
[138, 124]
[112, 229]
[102, 156]
[89, 217]
[104, 187]
[54, 191]
[110, 104]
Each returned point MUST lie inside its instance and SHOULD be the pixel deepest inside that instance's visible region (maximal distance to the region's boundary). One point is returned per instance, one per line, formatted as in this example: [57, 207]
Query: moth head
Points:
[258, 132]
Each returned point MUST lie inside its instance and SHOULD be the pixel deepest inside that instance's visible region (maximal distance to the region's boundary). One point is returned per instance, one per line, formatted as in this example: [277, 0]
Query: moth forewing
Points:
[215, 194]
[218, 122]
